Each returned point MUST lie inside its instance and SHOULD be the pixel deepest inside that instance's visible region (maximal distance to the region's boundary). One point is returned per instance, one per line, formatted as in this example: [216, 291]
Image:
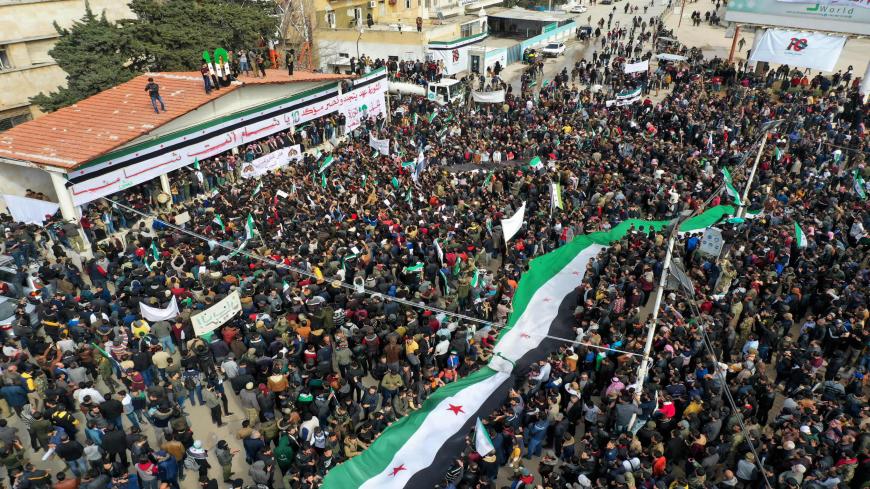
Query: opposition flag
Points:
[257, 189]
[799, 236]
[414, 450]
[154, 251]
[196, 163]
[439, 251]
[482, 442]
[220, 222]
[250, 229]
[511, 226]
[729, 186]
[326, 163]
[858, 184]
[413, 268]
[536, 162]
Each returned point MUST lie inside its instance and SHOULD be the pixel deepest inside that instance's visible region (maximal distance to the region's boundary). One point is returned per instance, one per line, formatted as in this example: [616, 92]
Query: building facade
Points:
[26, 36]
[442, 30]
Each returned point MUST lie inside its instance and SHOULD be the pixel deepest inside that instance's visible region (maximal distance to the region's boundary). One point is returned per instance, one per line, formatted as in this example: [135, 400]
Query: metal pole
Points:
[682, 8]
[741, 209]
[660, 290]
[734, 43]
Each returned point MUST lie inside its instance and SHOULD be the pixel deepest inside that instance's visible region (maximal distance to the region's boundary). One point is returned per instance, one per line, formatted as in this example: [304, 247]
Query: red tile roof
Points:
[77, 134]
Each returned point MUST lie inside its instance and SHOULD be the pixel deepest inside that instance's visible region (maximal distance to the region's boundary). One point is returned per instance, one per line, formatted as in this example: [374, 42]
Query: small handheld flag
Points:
[250, 229]
[729, 186]
[858, 184]
[482, 442]
[799, 236]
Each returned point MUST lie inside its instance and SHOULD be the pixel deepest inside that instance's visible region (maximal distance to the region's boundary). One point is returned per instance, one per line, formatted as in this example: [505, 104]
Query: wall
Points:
[28, 33]
[15, 180]
[331, 44]
[558, 34]
[454, 54]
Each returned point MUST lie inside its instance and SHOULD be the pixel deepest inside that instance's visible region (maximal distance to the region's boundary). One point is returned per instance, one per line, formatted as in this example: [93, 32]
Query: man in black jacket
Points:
[115, 445]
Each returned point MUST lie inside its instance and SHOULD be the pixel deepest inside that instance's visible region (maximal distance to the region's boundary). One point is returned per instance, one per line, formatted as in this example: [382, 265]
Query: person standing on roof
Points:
[153, 90]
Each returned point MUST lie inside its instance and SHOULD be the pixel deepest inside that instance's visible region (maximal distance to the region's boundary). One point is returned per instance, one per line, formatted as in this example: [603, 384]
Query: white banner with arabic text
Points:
[355, 105]
[216, 315]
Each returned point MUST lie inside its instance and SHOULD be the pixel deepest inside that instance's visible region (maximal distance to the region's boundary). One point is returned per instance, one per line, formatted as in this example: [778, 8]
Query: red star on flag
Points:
[398, 469]
[547, 299]
[524, 335]
[456, 409]
[576, 273]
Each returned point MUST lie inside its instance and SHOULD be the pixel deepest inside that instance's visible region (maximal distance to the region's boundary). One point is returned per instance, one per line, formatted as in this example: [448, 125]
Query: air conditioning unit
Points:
[373, 4]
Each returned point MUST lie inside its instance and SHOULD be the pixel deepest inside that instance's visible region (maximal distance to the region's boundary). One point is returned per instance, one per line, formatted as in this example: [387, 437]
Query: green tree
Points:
[170, 35]
[165, 35]
[93, 54]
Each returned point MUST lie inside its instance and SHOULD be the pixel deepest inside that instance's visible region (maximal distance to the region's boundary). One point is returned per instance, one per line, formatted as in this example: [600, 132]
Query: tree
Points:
[170, 35]
[93, 54]
[165, 35]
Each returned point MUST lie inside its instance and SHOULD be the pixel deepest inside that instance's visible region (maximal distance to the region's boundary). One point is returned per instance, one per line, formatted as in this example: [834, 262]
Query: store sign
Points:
[844, 16]
[356, 105]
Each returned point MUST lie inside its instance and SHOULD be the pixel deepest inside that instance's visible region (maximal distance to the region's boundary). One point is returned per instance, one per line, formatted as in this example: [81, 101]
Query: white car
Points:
[554, 49]
[578, 9]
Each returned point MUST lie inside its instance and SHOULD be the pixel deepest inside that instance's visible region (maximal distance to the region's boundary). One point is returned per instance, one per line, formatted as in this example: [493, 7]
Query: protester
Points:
[320, 369]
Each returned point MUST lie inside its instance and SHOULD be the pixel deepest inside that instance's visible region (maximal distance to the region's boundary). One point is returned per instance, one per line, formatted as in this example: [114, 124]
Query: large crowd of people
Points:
[758, 376]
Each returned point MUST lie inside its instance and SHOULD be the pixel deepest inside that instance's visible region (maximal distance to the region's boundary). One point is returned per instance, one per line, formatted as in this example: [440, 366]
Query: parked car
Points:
[578, 9]
[554, 49]
[8, 308]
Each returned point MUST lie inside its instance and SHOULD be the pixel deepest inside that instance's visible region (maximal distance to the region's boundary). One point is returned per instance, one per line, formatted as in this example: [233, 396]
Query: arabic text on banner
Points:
[216, 315]
[356, 105]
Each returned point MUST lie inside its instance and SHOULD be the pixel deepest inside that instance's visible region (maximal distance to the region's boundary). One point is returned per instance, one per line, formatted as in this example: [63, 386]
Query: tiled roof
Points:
[110, 119]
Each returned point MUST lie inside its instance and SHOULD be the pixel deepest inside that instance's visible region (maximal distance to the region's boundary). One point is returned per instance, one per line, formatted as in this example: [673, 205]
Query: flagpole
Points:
[741, 209]
[643, 369]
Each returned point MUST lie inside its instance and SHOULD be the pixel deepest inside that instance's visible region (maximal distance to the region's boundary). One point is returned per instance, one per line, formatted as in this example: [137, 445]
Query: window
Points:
[357, 13]
[330, 19]
[407, 4]
[10, 122]
[4, 59]
[466, 30]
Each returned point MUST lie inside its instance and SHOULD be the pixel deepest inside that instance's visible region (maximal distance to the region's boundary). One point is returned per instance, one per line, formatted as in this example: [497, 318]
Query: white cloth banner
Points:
[381, 145]
[671, 57]
[356, 105]
[511, 226]
[29, 211]
[637, 67]
[794, 48]
[488, 97]
[156, 314]
[621, 102]
[271, 161]
[216, 315]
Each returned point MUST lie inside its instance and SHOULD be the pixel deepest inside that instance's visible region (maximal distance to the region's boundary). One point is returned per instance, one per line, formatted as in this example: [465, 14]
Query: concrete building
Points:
[114, 140]
[26, 36]
[399, 29]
